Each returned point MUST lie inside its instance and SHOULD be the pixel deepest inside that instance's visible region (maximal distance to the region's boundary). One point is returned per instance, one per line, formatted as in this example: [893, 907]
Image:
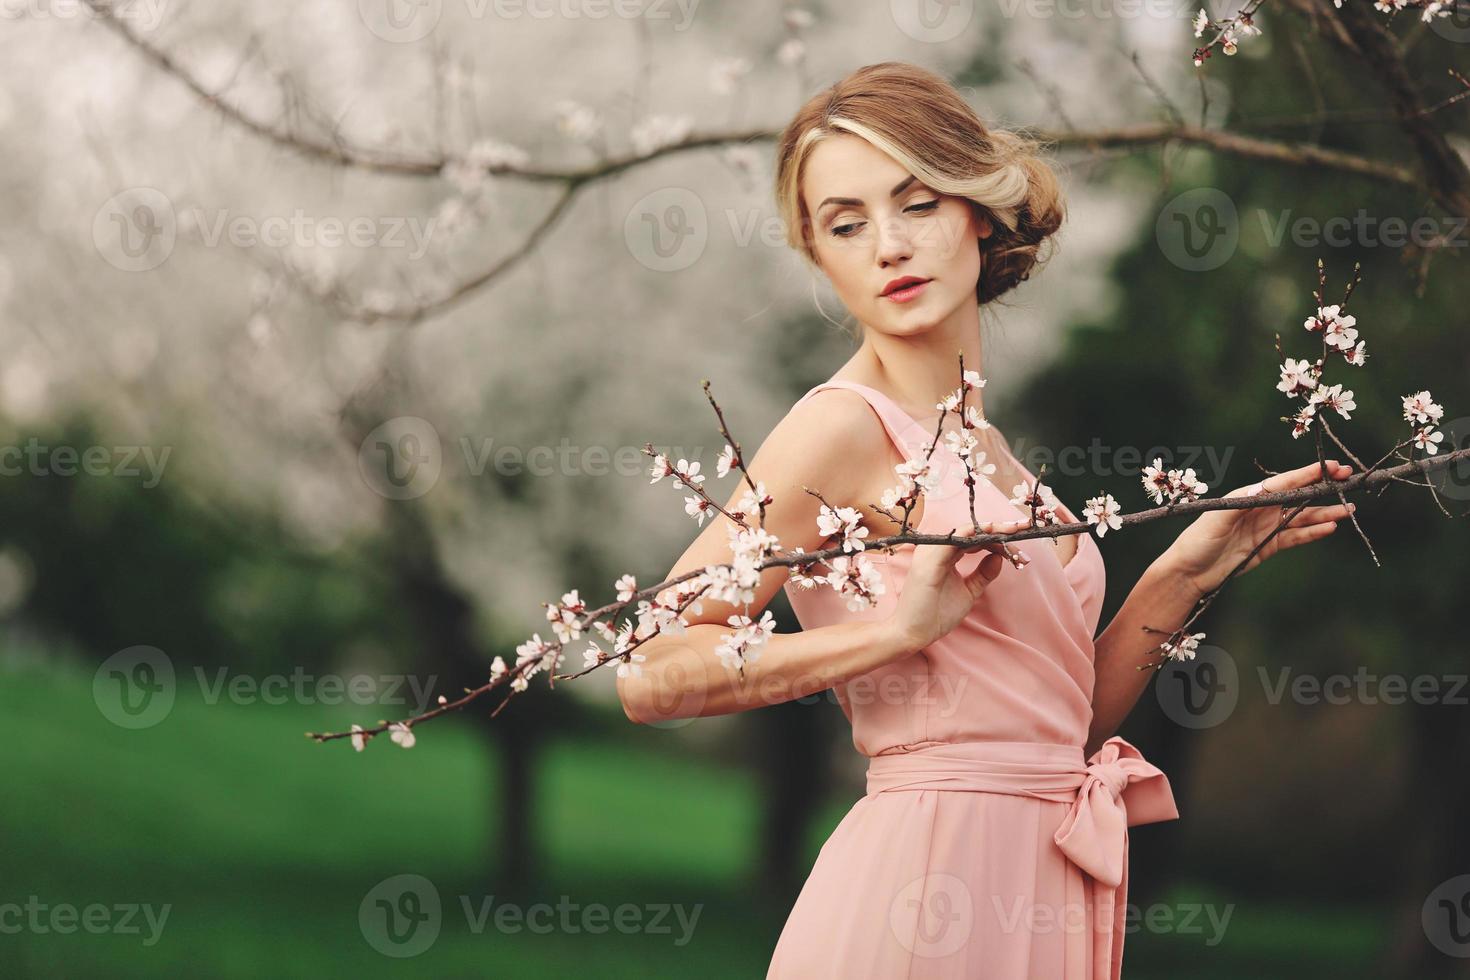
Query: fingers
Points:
[1318, 515]
[1292, 537]
[1304, 476]
[998, 527]
[984, 574]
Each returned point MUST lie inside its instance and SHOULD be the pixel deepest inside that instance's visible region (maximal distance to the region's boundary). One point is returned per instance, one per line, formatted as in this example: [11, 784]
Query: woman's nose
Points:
[894, 241]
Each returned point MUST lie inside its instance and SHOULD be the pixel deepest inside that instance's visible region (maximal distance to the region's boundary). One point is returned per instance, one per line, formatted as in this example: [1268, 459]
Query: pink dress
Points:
[986, 845]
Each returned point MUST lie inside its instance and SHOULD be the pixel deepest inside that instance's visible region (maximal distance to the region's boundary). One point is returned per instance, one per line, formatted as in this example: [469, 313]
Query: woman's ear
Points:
[983, 227]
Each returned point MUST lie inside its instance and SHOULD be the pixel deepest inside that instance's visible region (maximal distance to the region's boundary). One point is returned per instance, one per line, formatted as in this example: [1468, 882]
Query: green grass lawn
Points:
[265, 846]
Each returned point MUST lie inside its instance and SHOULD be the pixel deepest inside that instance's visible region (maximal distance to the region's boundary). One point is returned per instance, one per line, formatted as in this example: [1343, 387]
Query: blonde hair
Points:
[918, 119]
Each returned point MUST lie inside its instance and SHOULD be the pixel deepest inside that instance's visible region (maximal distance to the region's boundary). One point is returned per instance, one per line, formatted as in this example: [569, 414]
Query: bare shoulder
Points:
[832, 441]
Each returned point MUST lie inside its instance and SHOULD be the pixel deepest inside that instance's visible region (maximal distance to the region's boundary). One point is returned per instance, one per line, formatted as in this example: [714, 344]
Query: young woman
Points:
[992, 841]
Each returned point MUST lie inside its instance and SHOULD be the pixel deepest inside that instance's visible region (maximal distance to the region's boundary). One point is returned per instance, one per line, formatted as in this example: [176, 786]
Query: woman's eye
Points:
[846, 231]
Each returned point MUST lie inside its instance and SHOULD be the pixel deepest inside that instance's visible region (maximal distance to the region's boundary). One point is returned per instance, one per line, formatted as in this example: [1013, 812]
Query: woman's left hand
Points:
[1218, 540]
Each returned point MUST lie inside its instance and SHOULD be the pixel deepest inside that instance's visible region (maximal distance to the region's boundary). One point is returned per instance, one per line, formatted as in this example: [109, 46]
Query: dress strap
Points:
[900, 426]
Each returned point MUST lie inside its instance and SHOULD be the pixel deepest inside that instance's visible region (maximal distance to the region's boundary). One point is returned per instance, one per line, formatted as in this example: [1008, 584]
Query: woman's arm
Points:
[684, 678]
[1162, 599]
[1197, 562]
[833, 443]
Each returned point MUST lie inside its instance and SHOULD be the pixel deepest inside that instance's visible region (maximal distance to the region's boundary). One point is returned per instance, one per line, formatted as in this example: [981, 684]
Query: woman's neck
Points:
[917, 370]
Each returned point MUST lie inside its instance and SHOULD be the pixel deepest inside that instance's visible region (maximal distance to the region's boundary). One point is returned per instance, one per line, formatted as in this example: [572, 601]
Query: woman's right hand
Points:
[936, 596]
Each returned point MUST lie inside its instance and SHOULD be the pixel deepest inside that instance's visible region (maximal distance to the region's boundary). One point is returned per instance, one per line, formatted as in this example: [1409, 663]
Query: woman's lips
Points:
[906, 293]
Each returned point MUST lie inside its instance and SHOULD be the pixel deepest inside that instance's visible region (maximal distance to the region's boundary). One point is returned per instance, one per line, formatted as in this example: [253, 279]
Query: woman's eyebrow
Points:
[857, 202]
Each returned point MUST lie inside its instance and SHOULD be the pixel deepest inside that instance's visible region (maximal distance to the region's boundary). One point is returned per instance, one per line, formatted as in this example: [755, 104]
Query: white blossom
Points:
[358, 738]
[1297, 377]
[751, 502]
[1337, 329]
[689, 471]
[563, 616]
[1428, 438]
[1038, 501]
[918, 472]
[857, 579]
[726, 460]
[743, 646]
[629, 667]
[1335, 398]
[1201, 21]
[801, 574]
[626, 586]
[488, 154]
[845, 522]
[961, 443]
[1103, 511]
[725, 74]
[1421, 407]
[576, 121]
[791, 52]
[698, 508]
[1181, 646]
[1176, 485]
[656, 132]
[401, 734]
[1302, 421]
[798, 18]
[980, 466]
[733, 583]
[531, 656]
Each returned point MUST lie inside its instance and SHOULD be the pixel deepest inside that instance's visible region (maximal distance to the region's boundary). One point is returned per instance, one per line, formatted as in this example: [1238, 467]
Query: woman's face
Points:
[874, 223]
